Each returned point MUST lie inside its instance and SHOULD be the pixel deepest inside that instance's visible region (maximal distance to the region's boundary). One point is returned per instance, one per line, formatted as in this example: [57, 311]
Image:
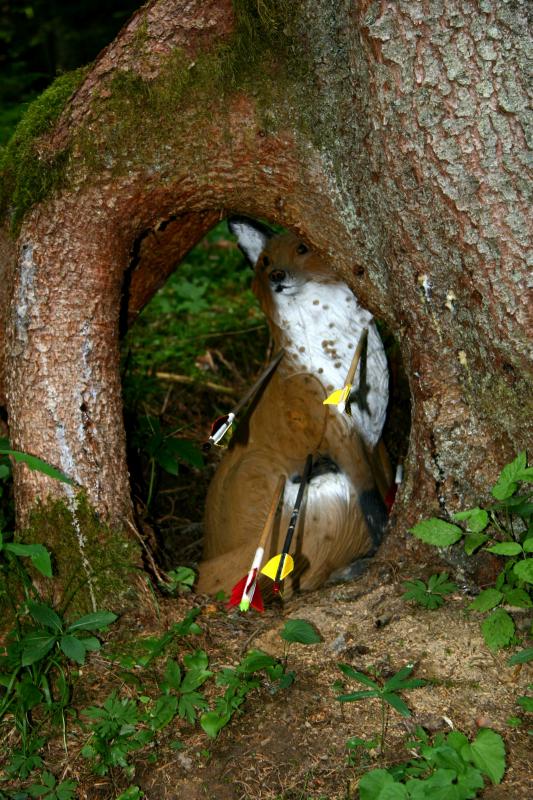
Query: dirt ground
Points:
[291, 745]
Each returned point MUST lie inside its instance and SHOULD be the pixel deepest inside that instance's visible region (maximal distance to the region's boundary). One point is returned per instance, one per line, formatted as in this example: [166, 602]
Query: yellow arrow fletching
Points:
[338, 396]
[271, 567]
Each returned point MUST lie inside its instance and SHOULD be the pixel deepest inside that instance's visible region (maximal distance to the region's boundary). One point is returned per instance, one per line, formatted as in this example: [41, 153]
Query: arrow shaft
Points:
[262, 377]
[294, 516]
[357, 356]
[251, 580]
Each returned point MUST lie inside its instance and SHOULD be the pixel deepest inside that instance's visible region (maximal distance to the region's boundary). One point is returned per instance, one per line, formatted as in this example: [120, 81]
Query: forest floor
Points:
[281, 744]
[291, 744]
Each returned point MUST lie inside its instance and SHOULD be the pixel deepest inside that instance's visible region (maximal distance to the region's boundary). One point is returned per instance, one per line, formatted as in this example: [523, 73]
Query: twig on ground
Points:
[185, 379]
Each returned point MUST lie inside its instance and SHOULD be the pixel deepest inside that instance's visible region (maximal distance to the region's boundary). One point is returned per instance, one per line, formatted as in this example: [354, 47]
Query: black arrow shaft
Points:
[294, 516]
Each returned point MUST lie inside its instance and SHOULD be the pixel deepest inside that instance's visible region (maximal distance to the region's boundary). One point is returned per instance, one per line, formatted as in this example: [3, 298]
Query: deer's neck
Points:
[319, 327]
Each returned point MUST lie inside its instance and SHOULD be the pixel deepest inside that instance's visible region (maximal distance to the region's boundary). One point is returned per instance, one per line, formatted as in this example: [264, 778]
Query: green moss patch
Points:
[90, 560]
[28, 175]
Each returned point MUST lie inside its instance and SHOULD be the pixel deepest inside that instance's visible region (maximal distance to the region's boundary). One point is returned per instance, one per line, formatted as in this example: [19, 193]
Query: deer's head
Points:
[283, 264]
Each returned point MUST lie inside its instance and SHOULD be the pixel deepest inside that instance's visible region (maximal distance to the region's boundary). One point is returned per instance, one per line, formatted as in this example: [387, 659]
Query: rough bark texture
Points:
[391, 137]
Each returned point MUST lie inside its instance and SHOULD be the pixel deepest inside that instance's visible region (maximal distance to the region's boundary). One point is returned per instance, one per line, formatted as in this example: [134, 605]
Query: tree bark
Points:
[391, 137]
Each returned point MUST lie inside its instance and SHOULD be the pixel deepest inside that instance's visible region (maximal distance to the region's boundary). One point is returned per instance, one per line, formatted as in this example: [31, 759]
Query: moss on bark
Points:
[94, 566]
[28, 172]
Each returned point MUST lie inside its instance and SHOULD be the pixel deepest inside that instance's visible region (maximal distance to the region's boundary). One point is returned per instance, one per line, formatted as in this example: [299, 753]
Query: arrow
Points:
[222, 425]
[246, 592]
[282, 565]
[340, 397]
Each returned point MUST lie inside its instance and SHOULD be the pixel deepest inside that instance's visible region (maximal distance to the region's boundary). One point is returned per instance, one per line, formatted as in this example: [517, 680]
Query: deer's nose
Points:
[277, 275]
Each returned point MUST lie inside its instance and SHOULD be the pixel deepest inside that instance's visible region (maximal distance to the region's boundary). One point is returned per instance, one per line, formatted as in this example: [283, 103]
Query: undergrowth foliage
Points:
[504, 528]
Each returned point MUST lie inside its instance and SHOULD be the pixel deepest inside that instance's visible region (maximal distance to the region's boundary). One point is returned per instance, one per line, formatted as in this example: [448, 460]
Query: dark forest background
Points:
[40, 39]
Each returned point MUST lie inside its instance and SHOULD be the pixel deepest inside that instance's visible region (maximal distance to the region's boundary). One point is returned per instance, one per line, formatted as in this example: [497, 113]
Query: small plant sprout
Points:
[430, 595]
[386, 692]
[300, 631]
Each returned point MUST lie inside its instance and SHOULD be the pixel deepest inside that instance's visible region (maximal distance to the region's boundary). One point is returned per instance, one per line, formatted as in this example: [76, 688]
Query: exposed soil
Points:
[291, 745]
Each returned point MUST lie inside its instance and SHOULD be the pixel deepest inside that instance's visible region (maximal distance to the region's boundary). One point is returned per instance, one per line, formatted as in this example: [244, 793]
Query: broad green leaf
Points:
[473, 541]
[487, 599]
[375, 783]
[488, 754]
[29, 695]
[437, 532]
[91, 643]
[498, 629]
[197, 660]
[518, 598]
[73, 648]
[521, 657]
[506, 484]
[131, 793]
[299, 630]
[172, 678]
[525, 475]
[164, 711]
[37, 553]
[93, 622]
[66, 790]
[505, 549]
[349, 698]
[457, 740]
[399, 681]
[358, 676]
[188, 703]
[526, 703]
[397, 703]
[476, 519]
[212, 722]
[524, 570]
[37, 464]
[193, 679]
[45, 615]
[35, 646]
[255, 661]
[527, 545]
[186, 451]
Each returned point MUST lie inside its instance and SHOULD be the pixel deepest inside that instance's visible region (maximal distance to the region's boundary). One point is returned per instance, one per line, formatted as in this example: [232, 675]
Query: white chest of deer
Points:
[318, 322]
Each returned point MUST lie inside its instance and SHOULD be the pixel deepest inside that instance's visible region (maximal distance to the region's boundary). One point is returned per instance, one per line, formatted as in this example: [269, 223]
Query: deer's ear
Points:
[252, 236]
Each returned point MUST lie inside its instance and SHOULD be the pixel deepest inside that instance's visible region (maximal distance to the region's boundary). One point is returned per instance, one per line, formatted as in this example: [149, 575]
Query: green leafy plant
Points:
[131, 793]
[238, 681]
[386, 692]
[35, 676]
[163, 450]
[50, 789]
[297, 631]
[180, 580]
[503, 528]
[432, 594]
[115, 733]
[33, 462]
[449, 767]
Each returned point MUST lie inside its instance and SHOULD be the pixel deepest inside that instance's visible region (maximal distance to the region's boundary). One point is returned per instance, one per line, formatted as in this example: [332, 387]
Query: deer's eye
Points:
[301, 249]
[277, 275]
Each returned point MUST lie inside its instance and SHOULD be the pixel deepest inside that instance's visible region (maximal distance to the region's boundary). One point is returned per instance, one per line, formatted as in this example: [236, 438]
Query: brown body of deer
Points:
[318, 322]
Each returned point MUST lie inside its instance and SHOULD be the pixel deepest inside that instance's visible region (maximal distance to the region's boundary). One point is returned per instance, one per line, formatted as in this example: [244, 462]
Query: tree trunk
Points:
[391, 137]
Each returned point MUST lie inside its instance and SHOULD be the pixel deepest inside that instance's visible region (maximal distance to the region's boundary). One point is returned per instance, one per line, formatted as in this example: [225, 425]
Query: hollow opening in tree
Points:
[192, 354]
